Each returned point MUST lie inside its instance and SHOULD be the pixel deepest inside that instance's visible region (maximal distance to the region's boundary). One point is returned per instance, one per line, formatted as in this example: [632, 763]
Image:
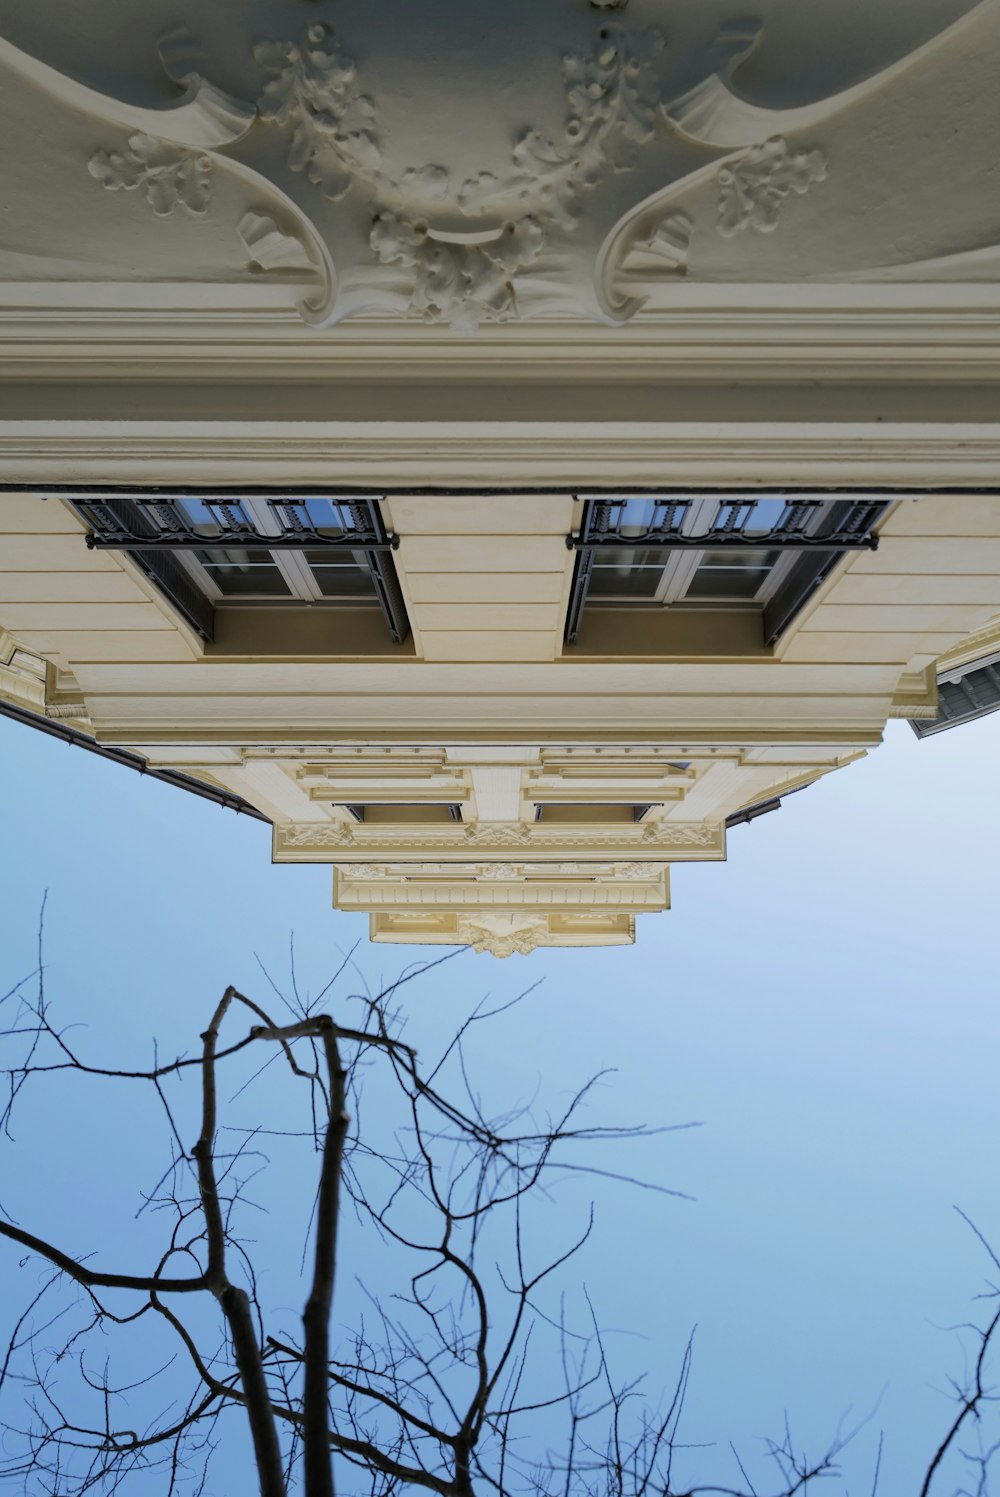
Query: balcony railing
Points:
[159, 530]
[811, 532]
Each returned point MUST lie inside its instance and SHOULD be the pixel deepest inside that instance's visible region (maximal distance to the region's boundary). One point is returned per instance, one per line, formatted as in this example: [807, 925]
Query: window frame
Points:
[163, 540]
[813, 530]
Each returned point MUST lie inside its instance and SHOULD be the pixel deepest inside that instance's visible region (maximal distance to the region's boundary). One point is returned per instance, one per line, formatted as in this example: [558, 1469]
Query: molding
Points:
[913, 333]
[552, 894]
[462, 455]
[324, 842]
[915, 696]
[23, 675]
[603, 874]
[682, 737]
[981, 647]
[503, 934]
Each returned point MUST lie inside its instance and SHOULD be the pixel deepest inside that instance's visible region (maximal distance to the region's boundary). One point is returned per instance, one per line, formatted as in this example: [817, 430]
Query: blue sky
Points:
[824, 1004]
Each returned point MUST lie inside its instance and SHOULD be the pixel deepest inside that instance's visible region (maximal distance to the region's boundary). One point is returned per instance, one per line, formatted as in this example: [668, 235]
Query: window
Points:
[405, 813]
[964, 696]
[210, 552]
[576, 813]
[764, 553]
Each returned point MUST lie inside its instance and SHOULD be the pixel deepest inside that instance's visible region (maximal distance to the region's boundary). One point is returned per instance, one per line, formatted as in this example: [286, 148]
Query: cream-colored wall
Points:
[464, 562]
[474, 589]
[145, 682]
[75, 606]
[488, 711]
[934, 579]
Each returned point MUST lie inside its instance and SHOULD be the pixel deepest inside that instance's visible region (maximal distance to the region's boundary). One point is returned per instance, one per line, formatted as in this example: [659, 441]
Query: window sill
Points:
[669, 634]
[300, 631]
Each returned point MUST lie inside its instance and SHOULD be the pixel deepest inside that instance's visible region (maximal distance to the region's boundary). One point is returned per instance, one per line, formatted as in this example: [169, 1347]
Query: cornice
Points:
[334, 841]
[913, 333]
[918, 454]
[539, 895]
[980, 648]
[856, 736]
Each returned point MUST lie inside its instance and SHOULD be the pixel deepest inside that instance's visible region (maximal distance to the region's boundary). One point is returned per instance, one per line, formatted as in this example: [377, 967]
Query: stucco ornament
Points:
[752, 190]
[498, 833]
[467, 275]
[314, 91]
[459, 283]
[318, 834]
[680, 834]
[502, 934]
[169, 175]
[399, 165]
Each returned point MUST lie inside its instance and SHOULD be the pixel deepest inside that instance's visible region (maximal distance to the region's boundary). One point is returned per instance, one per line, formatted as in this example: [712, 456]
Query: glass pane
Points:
[725, 586]
[241, 573]
[731, 574]
[340, 574]
[741, 558]
[632, 572]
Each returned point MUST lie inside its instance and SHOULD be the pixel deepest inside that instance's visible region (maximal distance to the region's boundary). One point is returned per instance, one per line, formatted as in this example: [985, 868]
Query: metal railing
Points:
[161, 523]
[820, 530]
[963, 699]
[154, 527]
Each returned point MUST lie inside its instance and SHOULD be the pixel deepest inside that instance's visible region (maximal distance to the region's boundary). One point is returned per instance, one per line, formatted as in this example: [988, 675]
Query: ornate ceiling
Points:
[469, 161]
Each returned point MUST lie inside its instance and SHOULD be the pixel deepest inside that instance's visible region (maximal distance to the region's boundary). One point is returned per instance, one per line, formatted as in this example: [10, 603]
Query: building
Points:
[500, 626]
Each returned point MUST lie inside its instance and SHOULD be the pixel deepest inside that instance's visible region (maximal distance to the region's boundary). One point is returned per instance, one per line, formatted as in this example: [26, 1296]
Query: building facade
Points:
[500, 626]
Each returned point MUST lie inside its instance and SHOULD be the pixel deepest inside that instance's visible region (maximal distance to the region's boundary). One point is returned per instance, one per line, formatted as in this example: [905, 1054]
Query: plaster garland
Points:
[455, 283]
[752, 189]
[502, 935]
[169, 175]
[313, 90]
[757, 172]
[463, 279]
[522, 221]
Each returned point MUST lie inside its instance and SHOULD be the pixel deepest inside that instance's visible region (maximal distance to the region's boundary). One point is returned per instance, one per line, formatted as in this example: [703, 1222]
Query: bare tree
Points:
[466, 1376]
